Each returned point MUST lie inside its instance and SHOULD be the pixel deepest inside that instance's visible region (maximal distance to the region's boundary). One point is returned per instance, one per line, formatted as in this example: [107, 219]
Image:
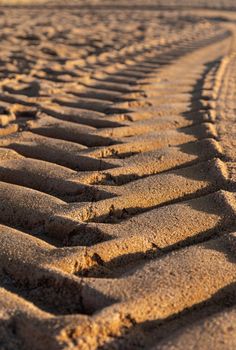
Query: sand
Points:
[117, 175]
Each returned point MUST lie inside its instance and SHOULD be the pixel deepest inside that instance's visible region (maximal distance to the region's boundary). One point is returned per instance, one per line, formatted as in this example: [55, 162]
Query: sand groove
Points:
[117, 178]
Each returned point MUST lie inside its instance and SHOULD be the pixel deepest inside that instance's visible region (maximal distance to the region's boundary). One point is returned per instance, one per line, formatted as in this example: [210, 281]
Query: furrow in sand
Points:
[95, 119]
[93, 294]
[59, 219]
[217, 329]
[69, 131]
[181, 280]
[151, 141]
[66, 183]
[40, 175]
[157, 231]
[57, 151]
[146, 235]
[153, 162]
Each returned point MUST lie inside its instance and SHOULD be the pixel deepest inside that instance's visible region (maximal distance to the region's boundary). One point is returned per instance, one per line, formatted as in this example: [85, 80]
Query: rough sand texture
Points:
[117, 175]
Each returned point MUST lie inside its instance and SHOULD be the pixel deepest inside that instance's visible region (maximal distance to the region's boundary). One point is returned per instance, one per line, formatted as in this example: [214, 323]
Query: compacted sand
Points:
[118, 175]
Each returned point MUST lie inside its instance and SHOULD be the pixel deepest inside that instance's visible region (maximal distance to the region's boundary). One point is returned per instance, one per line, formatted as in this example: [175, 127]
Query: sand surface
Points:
[118, 175]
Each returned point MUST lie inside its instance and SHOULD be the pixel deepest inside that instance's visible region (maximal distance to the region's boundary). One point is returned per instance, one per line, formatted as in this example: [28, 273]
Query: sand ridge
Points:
[117, 176]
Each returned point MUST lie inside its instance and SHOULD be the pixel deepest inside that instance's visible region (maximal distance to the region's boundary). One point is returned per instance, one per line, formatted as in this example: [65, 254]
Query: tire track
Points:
[118, 190]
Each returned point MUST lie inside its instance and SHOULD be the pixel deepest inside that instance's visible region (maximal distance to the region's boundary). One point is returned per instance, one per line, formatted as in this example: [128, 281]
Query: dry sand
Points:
[117, 175]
